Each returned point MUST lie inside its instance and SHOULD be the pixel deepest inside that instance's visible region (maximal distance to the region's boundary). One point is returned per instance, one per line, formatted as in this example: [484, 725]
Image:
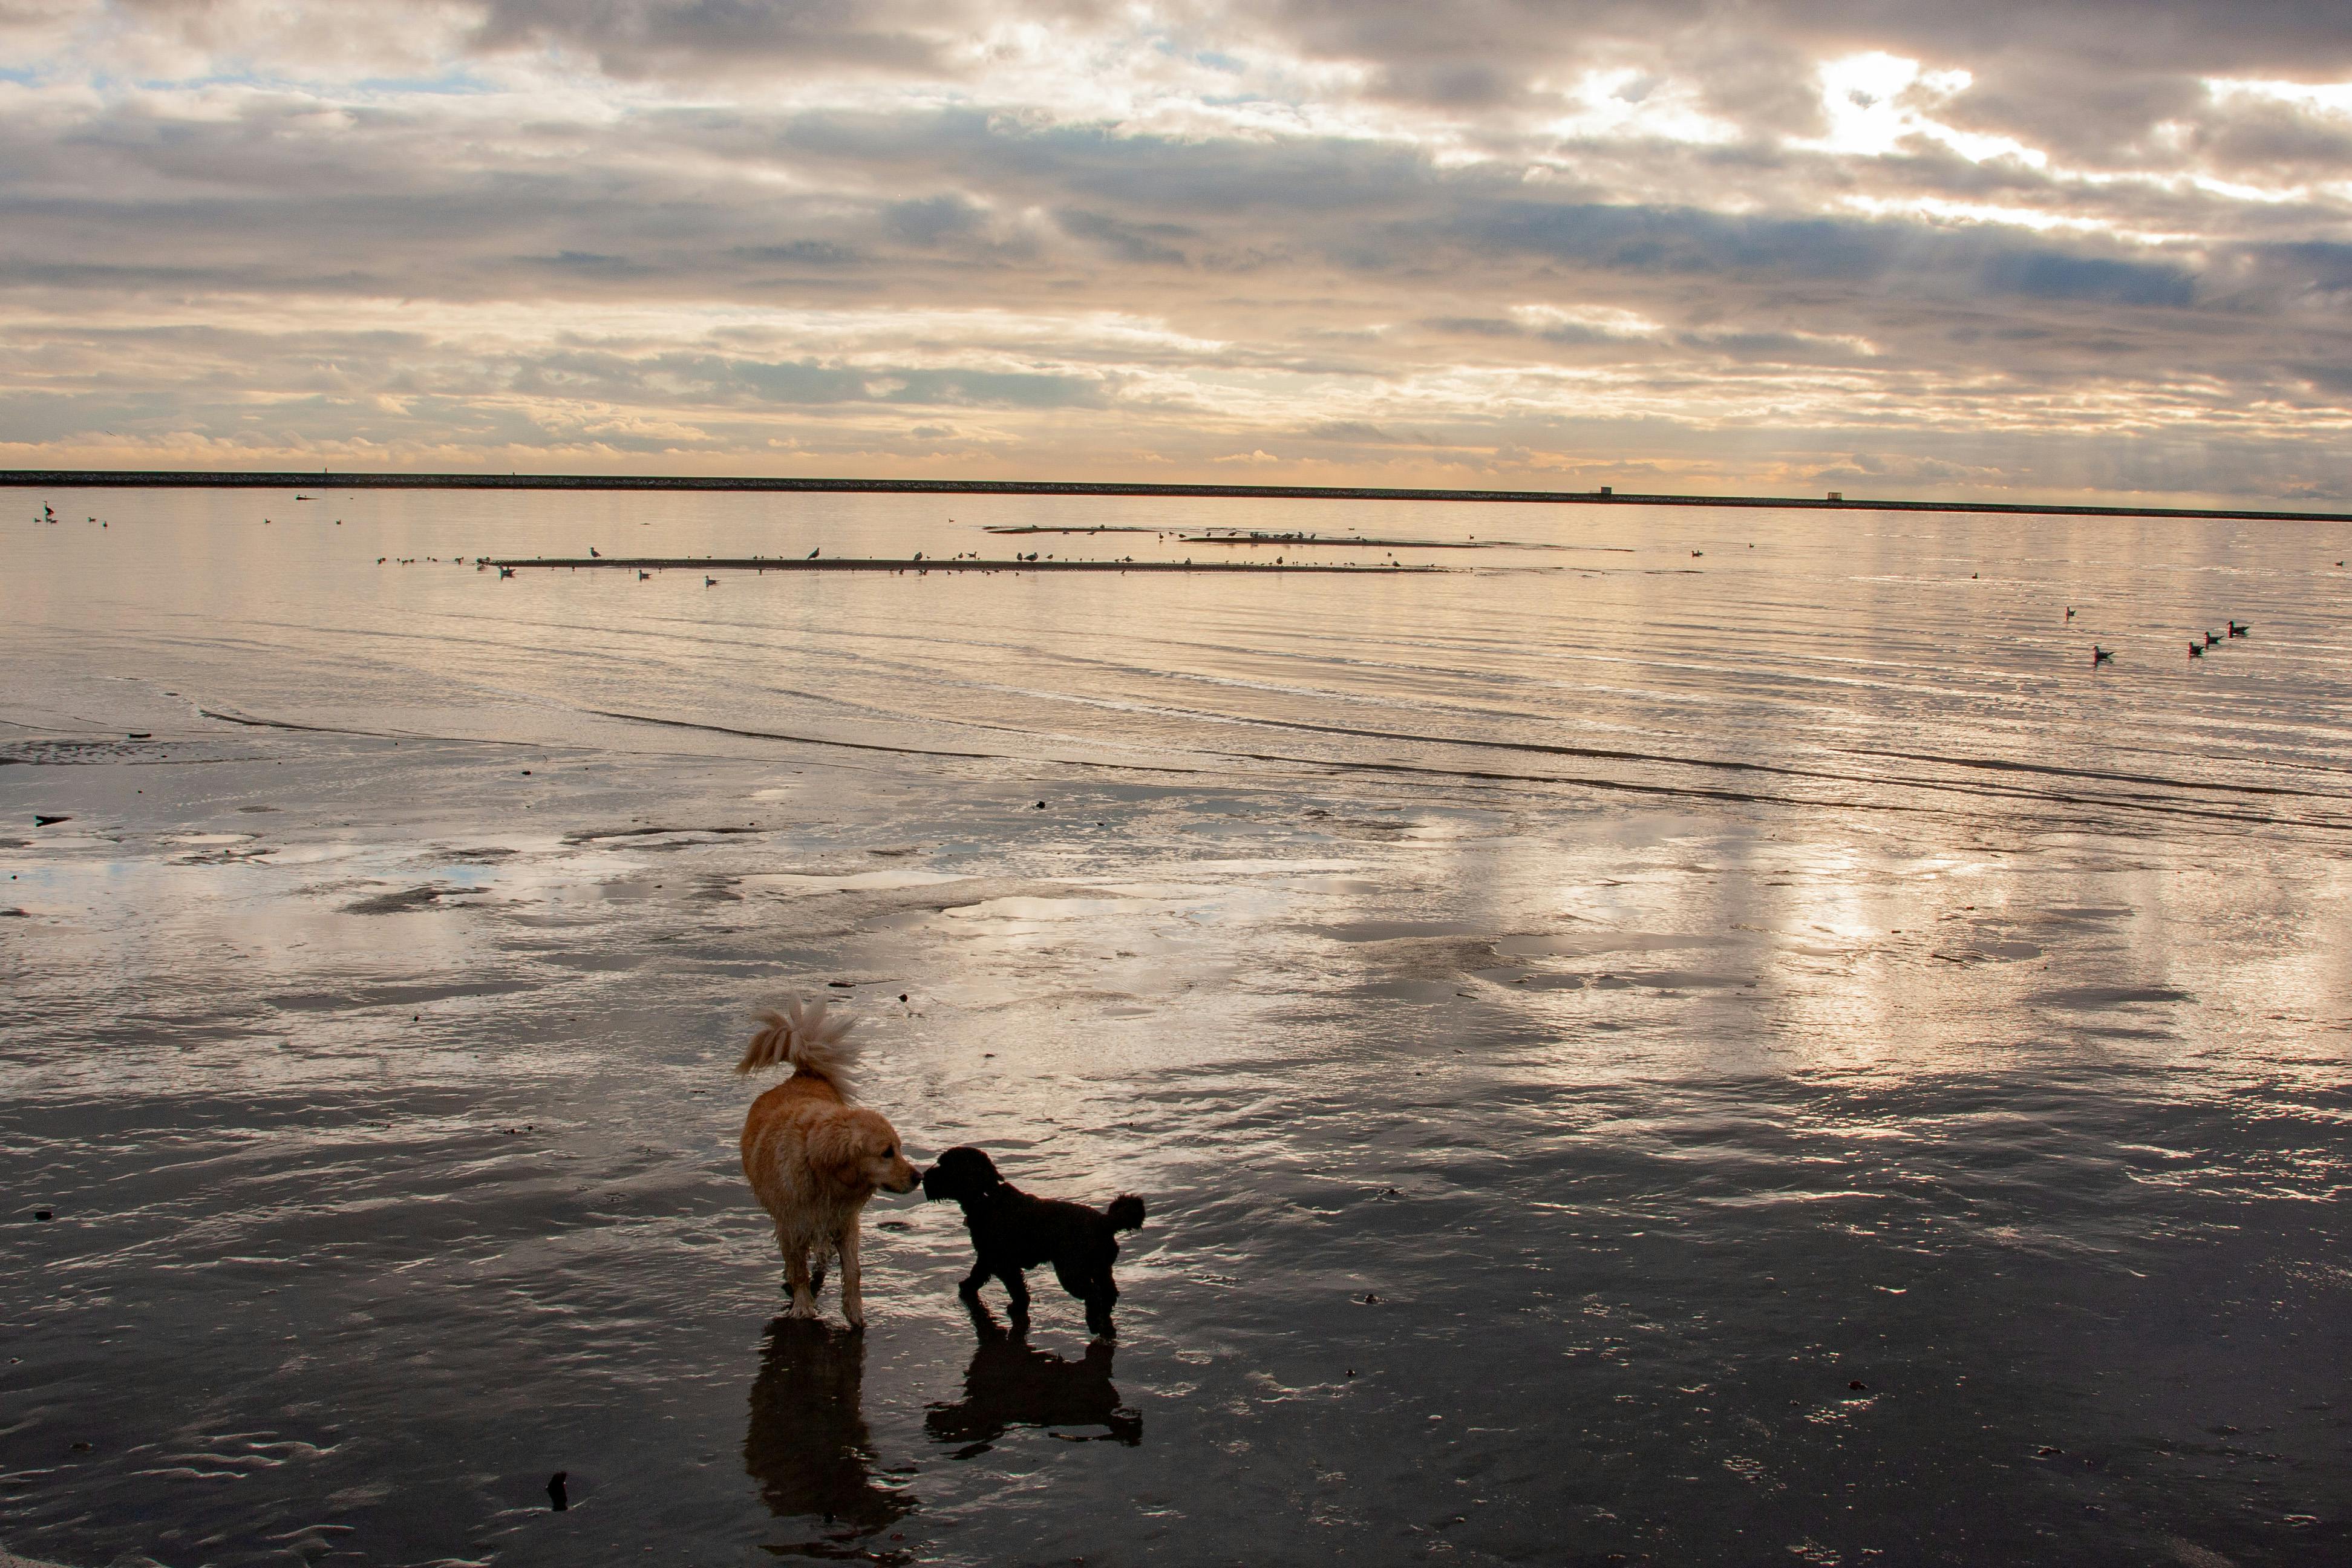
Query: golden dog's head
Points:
[859, 1150]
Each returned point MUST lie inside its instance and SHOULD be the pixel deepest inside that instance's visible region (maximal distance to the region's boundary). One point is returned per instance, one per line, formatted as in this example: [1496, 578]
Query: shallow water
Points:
[1573, 1019]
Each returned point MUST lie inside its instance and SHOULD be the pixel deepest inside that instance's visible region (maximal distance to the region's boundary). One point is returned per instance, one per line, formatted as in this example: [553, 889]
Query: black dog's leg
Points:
[1018, 1288]
[969, 1286]
[1099, 1301]
[1092, 1285]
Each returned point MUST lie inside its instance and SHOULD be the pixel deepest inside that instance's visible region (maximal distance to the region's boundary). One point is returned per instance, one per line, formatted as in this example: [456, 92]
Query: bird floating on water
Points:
[2070, 611]
[2197, 651]
[2100, 656]
[643, 576]
[2240, 628]
[506, 570]
[710, 582]
[2212, 637]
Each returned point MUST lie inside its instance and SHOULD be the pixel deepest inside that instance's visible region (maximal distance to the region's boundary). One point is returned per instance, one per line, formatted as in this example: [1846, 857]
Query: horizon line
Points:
[200, 478]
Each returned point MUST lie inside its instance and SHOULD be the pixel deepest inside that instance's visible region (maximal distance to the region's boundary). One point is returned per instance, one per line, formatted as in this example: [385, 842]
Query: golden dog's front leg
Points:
[853, 1301]
[796, 1277]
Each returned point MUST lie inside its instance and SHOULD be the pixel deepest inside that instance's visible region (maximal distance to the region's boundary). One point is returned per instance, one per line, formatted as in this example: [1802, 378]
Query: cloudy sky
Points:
[1917, 248]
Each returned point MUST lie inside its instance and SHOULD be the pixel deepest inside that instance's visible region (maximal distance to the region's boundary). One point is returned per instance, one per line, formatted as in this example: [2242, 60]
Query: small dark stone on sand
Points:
[1858, 1385]
[140, 734]
[1041, 805]
[2045, 1452]
[841, 984]
[902, 996]
[43, 1214]
[1351, 1372]
[557, 1498]
[1370, 1299]
[526, 772]
[80, 1447]
[42, 819]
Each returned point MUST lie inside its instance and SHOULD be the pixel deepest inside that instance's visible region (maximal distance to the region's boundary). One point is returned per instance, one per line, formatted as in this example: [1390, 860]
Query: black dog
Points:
[1012, 1232]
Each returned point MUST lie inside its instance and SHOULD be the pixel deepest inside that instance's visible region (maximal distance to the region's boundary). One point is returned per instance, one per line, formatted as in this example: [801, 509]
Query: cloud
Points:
[1979, 247]
[645, 38]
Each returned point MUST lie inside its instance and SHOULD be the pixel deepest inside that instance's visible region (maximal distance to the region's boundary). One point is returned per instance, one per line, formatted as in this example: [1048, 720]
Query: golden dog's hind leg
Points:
[852, 1299]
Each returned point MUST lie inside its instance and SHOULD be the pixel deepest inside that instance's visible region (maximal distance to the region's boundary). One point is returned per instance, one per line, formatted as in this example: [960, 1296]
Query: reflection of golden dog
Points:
[811, 1157]
[808, 1446]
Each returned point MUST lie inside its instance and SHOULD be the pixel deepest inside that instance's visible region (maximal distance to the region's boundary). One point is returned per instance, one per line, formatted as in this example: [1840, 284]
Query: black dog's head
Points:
[964, 1174]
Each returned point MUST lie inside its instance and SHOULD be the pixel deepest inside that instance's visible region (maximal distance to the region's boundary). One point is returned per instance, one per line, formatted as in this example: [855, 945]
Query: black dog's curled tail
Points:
[1125, 1213]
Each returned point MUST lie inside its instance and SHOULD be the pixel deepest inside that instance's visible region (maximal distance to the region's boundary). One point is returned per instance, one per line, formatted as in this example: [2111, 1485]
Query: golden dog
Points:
[813, 1157]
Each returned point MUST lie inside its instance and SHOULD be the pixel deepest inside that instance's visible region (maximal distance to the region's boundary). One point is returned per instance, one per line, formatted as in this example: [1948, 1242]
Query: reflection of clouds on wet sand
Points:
[1011, 1383]
[807, 1444]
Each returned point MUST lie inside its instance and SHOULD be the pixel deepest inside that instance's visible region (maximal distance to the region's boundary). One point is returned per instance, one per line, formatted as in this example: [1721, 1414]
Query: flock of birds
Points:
[2197, 646]
[49, 516]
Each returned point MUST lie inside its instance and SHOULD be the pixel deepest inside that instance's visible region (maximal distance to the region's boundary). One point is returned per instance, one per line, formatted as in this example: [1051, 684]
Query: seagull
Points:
[2100, 656]
[919, 555]
[595, 553]
[811, 556]
[710, 582]
[2240, 628]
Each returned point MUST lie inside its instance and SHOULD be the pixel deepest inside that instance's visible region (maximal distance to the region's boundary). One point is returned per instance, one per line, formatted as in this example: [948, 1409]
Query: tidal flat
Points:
[1690, 1037]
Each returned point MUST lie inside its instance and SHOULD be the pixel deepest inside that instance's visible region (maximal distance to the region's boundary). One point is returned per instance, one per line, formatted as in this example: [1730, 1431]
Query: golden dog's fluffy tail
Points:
[804, 1035]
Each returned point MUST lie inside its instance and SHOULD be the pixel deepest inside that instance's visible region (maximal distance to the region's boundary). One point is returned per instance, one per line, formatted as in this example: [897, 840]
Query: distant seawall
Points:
[70, 478]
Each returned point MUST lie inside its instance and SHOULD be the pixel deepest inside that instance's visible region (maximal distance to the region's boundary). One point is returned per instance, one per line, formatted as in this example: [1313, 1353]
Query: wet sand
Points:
[1698, 1127]
[855, 564]
[1231, 536]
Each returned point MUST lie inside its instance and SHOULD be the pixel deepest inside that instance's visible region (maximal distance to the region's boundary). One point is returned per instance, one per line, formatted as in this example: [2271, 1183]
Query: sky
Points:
[2008, 249]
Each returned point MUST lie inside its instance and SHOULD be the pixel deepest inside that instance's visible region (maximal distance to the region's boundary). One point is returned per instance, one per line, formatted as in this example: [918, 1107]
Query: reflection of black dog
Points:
[1010, 1385]
[807, 1445]
[1011, 1231]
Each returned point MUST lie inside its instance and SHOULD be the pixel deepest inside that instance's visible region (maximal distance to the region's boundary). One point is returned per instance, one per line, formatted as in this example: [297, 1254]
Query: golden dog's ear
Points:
[839, 1150]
